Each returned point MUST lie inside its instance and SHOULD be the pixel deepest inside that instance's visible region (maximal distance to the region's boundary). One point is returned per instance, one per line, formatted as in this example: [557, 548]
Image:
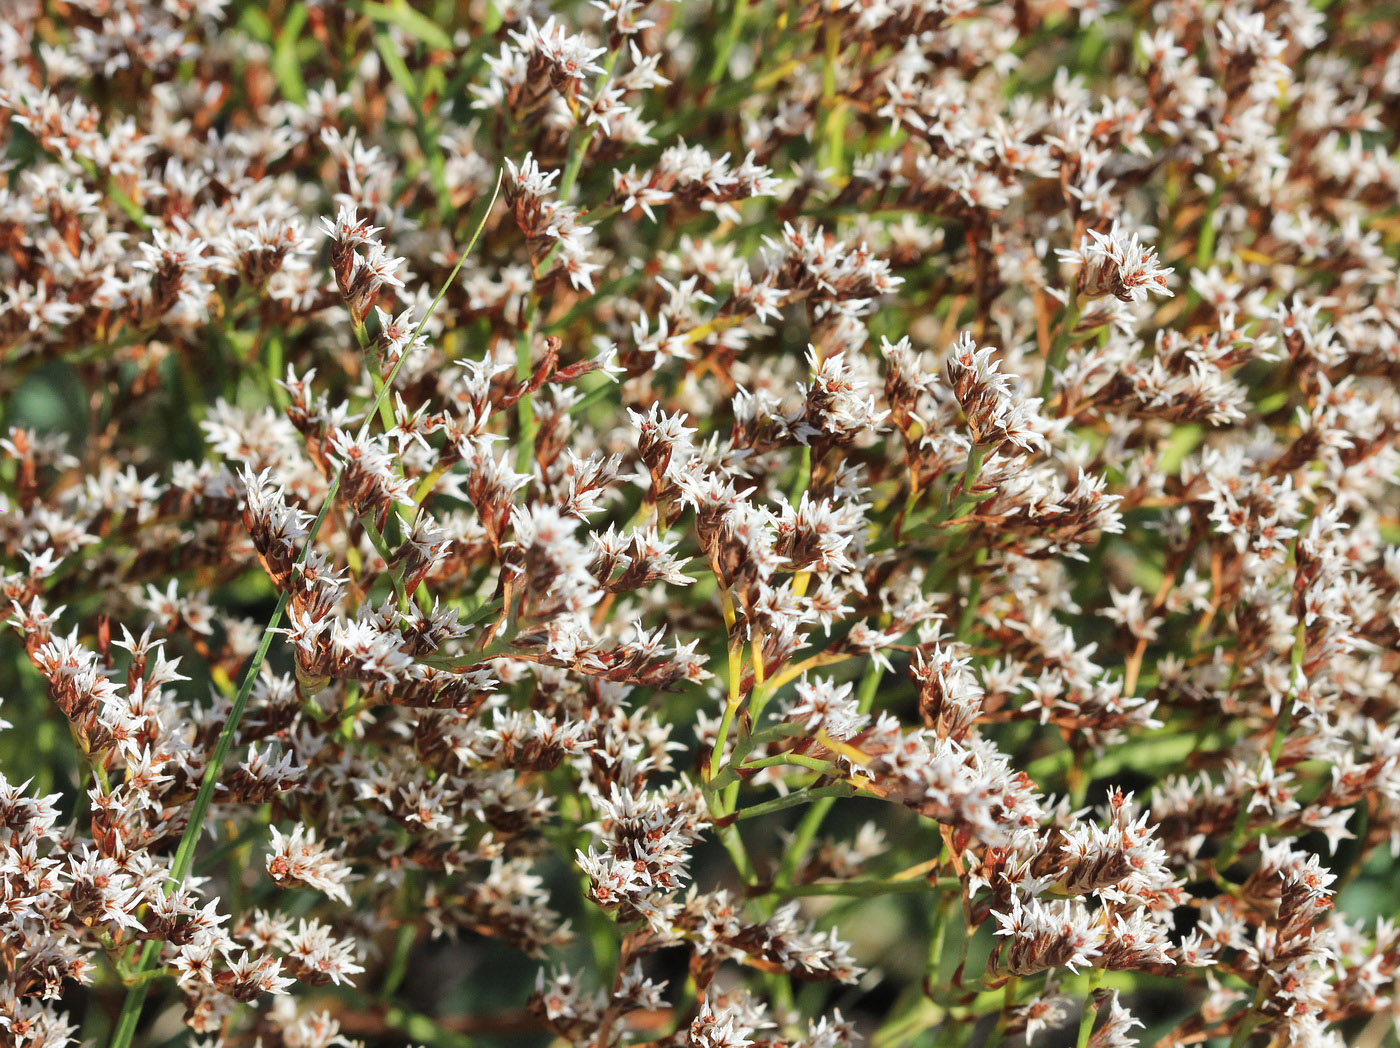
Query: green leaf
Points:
[415, 24]
[286, 66]
[1182, 442]
[434, 81]
[256, 24]
[394, 63]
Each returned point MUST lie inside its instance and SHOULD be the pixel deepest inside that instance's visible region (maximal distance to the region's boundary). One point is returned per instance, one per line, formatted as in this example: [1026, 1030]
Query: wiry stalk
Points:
[189, 840]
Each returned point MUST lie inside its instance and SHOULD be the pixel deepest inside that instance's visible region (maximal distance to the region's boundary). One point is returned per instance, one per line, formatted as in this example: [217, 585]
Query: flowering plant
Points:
[717, 525]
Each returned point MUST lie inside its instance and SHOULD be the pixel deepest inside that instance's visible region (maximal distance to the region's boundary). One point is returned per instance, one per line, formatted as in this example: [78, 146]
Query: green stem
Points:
[524, 409]
[1008, 1003]
[1205, 247]
[184, 853]
[727, 41]
[835, 124]
[524, 346]
[729, 837]
[1251, 1018]
[976, 456]
[862, 889]
[806, 833]
[579, 149]
[788, 760]
[398, 963]
[973, 601]
[386, 410]
[804, 475]
[1060, 350]
[1091, 1009]
[938, 935]
[792, 799]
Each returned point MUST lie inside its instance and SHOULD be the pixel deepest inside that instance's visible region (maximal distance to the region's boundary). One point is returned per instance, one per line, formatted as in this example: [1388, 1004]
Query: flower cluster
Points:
[699, 525]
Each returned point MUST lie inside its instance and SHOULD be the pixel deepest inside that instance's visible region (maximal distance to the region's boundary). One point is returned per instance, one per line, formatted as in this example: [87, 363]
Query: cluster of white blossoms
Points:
[639, 499]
